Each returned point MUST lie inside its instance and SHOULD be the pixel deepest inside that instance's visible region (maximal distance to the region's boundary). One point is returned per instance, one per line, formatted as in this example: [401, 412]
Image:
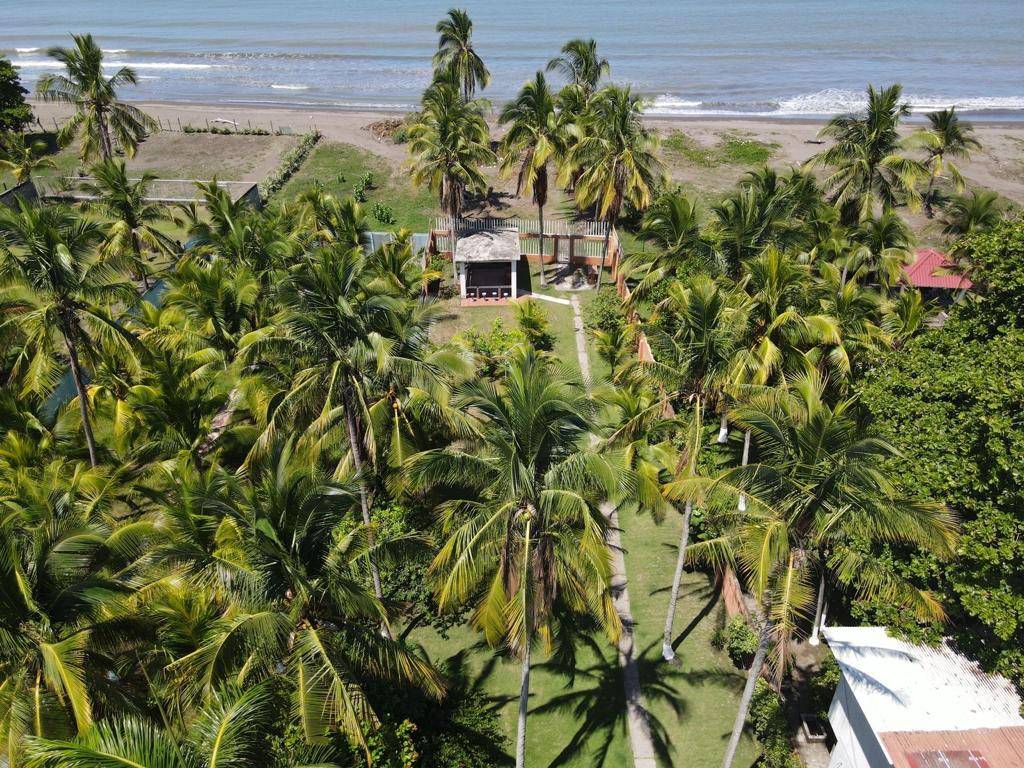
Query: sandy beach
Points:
[998, 166]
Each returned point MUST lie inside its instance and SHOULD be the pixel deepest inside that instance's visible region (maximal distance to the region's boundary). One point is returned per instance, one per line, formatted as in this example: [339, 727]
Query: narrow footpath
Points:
[640, 741]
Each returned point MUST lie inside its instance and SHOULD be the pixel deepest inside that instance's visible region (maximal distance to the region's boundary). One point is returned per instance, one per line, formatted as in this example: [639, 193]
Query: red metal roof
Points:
[977, 748]
[932, 269]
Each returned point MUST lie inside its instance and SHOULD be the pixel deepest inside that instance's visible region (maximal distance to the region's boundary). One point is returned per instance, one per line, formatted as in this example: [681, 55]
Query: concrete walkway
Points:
[637, 721]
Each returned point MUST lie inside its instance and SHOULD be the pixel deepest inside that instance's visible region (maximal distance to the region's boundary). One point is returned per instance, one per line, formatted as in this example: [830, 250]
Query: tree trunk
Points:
[928, 210]
[137, 252]
[604, 253]
[748, 692]
[524, 705]
[818, 612]
[83, 404]
[742, 505]
[106, 148]
[667, 652]
[357, 460]
[540, 213]
[723, 428]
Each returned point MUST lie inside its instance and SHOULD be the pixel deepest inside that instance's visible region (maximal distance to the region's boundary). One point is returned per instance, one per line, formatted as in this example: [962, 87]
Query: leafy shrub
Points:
[290, 163]
[383, 214]
[533, 322]
[823, 686]
[768, 722]
[364, 183]
[738, 640]
[492, 348]
[604, 312]
[223, 130]
[400, 136]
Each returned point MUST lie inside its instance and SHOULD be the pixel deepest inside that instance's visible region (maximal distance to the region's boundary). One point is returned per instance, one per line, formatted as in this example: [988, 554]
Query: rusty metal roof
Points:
[974, 748]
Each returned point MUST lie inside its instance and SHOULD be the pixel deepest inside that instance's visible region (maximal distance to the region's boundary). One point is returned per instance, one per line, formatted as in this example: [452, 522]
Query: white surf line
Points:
[637, 719]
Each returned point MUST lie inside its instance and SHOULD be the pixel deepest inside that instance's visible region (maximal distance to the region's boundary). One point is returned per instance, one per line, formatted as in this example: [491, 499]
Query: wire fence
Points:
[78, 188]
[230, 125]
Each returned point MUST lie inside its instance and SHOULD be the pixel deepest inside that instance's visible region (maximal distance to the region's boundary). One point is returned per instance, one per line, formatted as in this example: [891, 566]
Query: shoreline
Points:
[231, 110]
[998, 166]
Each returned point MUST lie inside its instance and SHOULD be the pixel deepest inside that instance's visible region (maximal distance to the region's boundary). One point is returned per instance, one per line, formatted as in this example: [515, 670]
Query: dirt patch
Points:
[203, 156]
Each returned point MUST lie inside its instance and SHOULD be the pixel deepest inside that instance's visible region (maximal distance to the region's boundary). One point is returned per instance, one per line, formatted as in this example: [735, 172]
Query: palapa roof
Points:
[488, 245]
[933, 269]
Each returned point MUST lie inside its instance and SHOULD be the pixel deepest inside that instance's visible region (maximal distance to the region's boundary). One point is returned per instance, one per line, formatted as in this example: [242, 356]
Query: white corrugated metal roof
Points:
[905, 687]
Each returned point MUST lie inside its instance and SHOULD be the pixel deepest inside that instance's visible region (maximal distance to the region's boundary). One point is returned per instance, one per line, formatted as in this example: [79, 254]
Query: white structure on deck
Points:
[900, 705]
[487, 263]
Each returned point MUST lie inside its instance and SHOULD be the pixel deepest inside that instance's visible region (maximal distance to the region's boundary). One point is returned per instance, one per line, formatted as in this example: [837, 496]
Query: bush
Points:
[604, 312]
[768, 722]
[290, 163]
[533, 322]
[492, 348]
[15, 113]
[359, 190]
[822, 687]
[383, 214]
[738, 640]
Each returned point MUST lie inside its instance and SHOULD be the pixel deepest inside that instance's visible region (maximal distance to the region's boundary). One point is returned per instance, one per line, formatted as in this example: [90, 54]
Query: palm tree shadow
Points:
[702, 614]
[600, 707]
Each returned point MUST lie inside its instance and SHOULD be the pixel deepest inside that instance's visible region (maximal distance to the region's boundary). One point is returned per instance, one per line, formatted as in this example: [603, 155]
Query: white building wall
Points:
[856, 744]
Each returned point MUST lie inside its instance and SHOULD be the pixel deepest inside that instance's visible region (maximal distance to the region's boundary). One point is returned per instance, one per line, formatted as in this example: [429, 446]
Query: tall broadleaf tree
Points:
[106, 123]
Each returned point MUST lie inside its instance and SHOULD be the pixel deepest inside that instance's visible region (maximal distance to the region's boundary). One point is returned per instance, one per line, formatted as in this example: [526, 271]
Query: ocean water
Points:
[692, 57]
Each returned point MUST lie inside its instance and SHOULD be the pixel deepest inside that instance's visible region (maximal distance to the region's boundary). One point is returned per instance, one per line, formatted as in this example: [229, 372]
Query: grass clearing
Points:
[339, 167]
[732, 148]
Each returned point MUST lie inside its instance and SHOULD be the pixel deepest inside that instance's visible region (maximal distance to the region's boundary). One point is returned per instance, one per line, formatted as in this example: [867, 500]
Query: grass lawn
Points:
[576, 714]
[339, 166]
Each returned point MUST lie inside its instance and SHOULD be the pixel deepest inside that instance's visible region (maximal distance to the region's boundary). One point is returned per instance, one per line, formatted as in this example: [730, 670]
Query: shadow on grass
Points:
[709, 605]
[599, 703]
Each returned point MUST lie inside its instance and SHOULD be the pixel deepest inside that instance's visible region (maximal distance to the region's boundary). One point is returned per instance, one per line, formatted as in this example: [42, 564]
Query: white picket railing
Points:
[585, 239]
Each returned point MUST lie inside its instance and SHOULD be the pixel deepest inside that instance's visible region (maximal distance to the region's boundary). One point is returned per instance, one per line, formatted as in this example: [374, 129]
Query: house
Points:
[932, 272]
[901, 705]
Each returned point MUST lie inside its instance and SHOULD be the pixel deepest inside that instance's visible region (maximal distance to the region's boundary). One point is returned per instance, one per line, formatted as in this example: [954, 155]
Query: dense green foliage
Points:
[951, 401]
[15, 113]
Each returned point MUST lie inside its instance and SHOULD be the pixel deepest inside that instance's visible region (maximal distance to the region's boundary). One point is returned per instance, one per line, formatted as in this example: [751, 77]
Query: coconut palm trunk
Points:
[357, 461]
[723, 428]
[83, 403]
[756, 666]
[524, 706]
[604, 252]
[540, 216]
[742, 504]
[667, 651]
[818, 612]
[137, 253]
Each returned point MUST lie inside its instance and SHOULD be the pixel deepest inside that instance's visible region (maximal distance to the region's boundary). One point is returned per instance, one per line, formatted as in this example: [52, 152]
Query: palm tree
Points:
[21, 157]
[230, 729]
[296, 600]
[448, 144]
[525, 538]
[456, 56]
[672, 223]
[695, 352]
[616, 159]
[888, 248]
[62, 607]
[868, 167]
[51, 282]
[970, 214]
[132, 228]
[581, 65]
[946, 138]
[107, 124]
[819, 490]
[537, 136]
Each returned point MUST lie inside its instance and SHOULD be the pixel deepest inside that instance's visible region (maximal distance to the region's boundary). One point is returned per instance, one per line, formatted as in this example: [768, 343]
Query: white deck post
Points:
[461, 270]
[515, 278]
